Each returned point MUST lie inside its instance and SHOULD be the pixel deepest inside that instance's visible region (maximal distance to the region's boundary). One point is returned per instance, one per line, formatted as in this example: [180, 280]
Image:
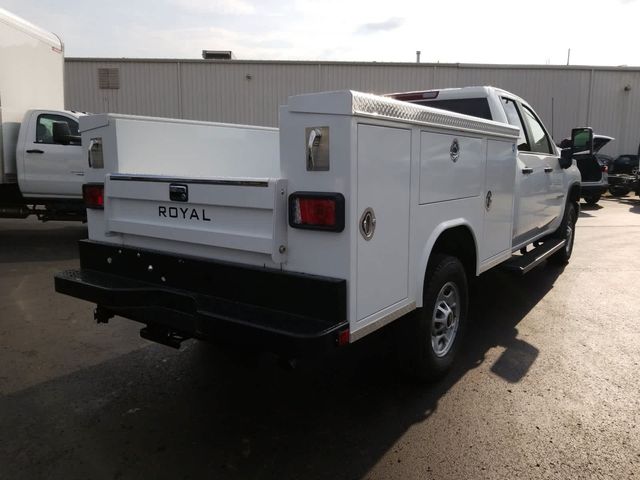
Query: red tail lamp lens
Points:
[93, 195]
[343, 337]
[317, 211]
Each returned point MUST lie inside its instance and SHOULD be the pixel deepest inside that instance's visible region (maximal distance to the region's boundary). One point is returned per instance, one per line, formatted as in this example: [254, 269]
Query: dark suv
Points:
[593, 169]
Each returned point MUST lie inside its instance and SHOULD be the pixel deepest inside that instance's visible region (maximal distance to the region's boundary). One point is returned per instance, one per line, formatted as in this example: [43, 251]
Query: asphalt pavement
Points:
[548, 384]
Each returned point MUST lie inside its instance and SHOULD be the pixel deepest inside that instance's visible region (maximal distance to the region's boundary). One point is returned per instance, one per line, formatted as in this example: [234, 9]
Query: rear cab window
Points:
[475, 107]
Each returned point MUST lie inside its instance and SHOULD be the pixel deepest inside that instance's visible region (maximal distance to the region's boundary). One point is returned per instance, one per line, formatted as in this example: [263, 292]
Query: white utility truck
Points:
[41, 160]
[358, 211]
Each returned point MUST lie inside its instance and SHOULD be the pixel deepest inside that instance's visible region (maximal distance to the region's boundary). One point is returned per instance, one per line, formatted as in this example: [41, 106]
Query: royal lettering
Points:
[184, 213]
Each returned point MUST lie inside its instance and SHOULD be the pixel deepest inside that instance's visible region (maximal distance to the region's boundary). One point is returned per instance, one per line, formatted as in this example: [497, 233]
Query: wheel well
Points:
[458, 242]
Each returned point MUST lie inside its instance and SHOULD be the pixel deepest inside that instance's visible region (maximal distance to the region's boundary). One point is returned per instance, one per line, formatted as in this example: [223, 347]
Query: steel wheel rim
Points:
[445, 319]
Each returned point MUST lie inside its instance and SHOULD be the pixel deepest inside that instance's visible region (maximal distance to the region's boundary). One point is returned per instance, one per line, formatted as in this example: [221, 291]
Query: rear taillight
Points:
[93, 195]
[317, 211]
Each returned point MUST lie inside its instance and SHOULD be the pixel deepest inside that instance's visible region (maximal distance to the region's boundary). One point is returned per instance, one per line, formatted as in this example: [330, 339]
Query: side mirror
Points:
[566, 158]
[581, 144]
[62, 134]
[582, 141]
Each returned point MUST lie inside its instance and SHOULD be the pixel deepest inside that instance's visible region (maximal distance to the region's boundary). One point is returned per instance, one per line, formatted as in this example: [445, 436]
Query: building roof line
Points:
[367, 64]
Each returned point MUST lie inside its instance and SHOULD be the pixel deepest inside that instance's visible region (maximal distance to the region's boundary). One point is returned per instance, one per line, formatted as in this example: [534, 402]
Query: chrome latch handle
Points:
[312, 147]
[368, 224]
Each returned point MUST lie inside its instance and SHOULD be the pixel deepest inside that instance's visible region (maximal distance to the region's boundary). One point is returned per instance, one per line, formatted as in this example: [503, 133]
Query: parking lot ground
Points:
[548, 385]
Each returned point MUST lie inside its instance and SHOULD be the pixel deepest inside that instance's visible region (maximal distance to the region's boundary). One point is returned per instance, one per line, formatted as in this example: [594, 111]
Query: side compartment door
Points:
[50, 169]
[498, 202]
[384, 163]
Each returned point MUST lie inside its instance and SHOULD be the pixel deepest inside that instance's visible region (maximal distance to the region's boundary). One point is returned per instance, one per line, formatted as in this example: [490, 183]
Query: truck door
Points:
[531, 211]
[542, 146]
[50, 169]
[384, 156]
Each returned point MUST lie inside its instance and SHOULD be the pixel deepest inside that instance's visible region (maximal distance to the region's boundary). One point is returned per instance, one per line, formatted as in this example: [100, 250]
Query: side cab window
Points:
[540, 141]
[44, 127]
[514, 118]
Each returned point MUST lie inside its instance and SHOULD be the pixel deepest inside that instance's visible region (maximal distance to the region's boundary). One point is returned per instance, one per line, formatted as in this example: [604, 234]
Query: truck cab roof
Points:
[483, 101]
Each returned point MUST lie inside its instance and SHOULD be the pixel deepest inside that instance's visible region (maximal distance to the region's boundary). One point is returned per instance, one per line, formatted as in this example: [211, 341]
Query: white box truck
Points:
[41, 161]
[358, 211]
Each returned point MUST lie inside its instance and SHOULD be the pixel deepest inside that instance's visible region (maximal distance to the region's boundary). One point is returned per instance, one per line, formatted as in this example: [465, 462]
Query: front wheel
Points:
[566, 231]
[433, 333]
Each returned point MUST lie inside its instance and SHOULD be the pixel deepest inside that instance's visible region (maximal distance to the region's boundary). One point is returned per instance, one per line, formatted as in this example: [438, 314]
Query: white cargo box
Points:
[410, 171]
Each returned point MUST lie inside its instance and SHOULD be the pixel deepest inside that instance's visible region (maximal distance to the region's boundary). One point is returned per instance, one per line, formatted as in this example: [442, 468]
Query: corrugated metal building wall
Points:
[249, 92]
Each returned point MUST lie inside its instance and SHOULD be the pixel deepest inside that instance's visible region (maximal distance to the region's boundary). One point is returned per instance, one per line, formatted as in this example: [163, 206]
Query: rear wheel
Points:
[592, 199]
[432, 334]
[619, 191]
[566, 231]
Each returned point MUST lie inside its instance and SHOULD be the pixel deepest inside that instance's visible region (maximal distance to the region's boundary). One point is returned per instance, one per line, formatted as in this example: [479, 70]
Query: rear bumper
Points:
[599, 189]
[284, 312]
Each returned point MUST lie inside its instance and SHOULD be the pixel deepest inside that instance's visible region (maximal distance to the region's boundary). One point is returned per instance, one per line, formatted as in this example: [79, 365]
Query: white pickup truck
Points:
[360, 210]
[41, 161]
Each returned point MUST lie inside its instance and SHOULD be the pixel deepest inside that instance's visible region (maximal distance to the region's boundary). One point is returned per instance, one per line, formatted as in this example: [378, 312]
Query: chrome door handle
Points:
[527, 170]
[80, 173]
[548, 169]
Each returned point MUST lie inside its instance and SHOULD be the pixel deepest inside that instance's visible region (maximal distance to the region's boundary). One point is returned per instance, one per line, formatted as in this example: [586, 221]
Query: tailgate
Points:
[241, 214]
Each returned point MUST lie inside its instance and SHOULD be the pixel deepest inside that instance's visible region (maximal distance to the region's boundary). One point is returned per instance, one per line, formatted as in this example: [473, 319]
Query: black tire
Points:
[592, 199]
[619, 191]
[567, 232]
[418, 356]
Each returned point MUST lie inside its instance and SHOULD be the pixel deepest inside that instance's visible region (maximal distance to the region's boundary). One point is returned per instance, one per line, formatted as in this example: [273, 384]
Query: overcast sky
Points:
[602, 32]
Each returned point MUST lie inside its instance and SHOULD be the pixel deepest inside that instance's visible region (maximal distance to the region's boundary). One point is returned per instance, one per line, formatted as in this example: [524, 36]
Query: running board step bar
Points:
[524, 263]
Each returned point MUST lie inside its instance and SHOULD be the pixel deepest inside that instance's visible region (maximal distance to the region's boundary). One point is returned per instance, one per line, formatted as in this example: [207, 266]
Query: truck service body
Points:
[359, 210]
[37, 174]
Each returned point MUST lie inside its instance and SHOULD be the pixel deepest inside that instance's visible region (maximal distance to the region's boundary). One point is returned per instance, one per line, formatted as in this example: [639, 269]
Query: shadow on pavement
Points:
[156, 413]
[587, 207]
[38, 242]
[634, 203]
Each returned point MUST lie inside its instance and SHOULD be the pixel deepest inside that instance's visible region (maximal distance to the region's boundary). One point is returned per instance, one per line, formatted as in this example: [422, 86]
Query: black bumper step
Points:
[524, 263]
[207, 299]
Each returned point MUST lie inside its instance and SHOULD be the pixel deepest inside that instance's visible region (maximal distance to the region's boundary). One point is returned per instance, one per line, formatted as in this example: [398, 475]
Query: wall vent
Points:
[218, 55]
[108, 78]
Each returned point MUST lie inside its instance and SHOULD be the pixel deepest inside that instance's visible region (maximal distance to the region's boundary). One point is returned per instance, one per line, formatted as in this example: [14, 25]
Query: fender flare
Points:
[428, 247]
[571, 198]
